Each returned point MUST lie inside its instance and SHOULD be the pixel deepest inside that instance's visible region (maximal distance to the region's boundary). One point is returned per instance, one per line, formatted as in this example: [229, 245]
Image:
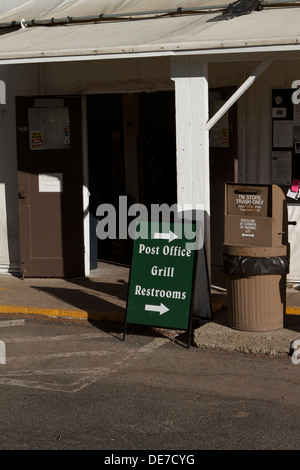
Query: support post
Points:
[192, 138]
[239, 92]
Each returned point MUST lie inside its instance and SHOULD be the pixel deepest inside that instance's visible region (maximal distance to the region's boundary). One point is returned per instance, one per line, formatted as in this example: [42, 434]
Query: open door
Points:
[50, 179]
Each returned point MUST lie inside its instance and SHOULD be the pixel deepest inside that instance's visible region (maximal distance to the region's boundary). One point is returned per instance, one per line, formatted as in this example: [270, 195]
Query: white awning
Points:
[155, 35]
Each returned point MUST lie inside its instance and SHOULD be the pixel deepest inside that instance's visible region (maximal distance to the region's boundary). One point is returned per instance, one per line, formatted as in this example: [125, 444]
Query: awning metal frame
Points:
[238, 93]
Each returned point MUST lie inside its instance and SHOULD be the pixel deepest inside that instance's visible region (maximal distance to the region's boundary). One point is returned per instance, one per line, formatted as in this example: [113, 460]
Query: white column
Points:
[191, 98]
[192, 139]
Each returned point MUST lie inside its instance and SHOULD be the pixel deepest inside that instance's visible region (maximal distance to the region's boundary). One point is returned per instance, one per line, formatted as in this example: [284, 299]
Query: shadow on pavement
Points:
[105, 305]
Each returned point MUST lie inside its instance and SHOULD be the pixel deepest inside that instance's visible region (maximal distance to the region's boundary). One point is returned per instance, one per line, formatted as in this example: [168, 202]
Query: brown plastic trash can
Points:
[256, 303]
[255, 256]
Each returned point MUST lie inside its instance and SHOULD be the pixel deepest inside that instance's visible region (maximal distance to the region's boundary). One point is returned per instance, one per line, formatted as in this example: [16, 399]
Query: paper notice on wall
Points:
[279, 112]
[283, 134]
[281, 167]
[36, 140]
[292, 194]
[51, 183]
[67, 132]
[295, 185]
[278, 100]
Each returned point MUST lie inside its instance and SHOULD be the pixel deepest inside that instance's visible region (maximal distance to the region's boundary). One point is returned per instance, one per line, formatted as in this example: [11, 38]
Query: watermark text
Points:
[2, 353]
[295, 346]
[2, 92]
[124, 222]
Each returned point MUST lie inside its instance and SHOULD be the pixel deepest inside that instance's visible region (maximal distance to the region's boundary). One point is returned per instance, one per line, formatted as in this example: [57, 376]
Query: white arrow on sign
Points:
[247, 235]
[157, 308]
[166, 236]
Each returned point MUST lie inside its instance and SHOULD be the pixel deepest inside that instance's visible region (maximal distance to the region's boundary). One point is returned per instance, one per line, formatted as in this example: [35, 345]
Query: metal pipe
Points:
[279, 3]
[113, 16]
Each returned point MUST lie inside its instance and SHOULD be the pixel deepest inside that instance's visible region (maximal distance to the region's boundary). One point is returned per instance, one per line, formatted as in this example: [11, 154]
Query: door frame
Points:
[85, 186]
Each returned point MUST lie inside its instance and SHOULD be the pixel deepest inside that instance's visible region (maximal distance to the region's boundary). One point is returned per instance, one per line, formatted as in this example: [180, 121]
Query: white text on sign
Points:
[167, 250]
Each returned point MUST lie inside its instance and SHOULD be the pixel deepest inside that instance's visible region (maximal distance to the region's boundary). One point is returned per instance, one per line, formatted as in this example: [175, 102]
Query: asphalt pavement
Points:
[75, 385]
[103, 296]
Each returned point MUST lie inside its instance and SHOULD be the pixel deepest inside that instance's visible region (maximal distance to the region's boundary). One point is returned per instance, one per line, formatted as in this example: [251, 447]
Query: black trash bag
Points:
[246, 266]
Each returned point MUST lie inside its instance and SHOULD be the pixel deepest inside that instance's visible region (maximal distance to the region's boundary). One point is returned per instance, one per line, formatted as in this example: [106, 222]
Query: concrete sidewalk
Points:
[103, 297]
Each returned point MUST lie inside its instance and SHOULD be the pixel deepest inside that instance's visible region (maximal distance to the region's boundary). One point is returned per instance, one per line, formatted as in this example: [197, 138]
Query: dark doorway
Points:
[111, 124]
[106, 169]
[157, 148]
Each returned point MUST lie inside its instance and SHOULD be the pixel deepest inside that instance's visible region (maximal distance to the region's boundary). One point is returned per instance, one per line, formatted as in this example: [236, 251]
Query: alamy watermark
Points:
[295, 347]
[2, 353]
[118, 224]
[296, 93]
[2, 92]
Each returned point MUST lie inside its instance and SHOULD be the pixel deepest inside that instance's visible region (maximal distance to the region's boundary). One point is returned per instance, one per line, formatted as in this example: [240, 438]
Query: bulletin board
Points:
[286, 143]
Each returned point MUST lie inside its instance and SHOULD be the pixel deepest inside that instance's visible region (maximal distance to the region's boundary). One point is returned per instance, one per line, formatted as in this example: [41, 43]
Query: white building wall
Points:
[254, 125]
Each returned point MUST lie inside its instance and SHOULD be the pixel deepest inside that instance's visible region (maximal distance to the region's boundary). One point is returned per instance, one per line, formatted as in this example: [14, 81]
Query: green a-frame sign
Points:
[161, 277]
